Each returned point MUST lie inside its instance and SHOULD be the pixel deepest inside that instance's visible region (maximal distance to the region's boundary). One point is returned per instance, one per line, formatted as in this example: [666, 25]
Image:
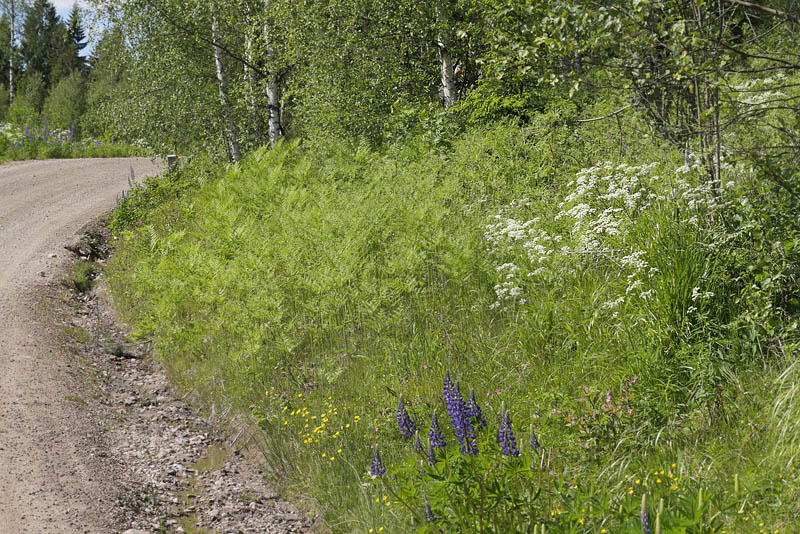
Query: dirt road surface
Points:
[46, 485]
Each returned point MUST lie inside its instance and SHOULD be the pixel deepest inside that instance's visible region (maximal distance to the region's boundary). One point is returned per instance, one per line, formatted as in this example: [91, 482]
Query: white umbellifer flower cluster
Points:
[593, 220]
[702, 295]
[761, 92]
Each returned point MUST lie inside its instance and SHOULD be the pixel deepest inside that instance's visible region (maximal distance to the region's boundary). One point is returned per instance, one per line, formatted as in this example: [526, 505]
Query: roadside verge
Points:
[174, 470]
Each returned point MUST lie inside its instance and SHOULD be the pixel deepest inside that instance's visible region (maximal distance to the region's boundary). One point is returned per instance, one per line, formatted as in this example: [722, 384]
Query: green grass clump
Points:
[601, 294]
[81, 278]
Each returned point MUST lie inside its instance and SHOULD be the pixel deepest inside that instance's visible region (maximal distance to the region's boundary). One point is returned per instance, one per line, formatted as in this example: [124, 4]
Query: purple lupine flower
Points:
[417, 443]
[447, 385]
[644, 517]
[404, 421]
[461, 422]
[430, 517]
[505, 436]
[474, 411]
[431, 455]
[435, 436]
[534, 441]
[455, 405]
[376, 465]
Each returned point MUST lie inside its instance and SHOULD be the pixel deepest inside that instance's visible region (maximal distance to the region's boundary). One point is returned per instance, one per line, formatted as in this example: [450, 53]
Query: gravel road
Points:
[46, 484]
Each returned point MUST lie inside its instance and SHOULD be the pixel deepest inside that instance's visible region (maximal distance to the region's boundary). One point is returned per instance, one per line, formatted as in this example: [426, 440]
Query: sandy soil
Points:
[93, 439]
[47, 483]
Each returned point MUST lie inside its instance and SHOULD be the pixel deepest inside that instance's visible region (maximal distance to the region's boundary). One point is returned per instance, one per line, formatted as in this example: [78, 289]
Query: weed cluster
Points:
[643, 323]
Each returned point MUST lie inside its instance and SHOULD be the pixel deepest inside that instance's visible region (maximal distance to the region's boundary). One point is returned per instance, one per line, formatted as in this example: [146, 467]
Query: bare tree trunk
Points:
[274, 91]
[445, 60]
[274, 86]
[12, 25]
[252, 100]
[230, 126]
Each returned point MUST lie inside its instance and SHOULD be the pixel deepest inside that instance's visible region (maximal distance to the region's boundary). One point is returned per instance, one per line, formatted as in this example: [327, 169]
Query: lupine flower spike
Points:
[435, 436]
[447, 386]
[534, 441]
[645, 518]
[431, 455]
[474, 411]
[407, 426]
[461, 422]
[376, 465]
[417, 443]
[430, 517]
[505, 436]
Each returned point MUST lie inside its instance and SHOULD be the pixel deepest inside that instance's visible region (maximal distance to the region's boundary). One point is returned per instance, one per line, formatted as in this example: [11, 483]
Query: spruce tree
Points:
[75, 28]
[38, 38]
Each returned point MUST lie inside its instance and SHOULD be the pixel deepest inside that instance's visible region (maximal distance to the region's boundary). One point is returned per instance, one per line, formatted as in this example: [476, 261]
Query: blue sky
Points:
[63, 7]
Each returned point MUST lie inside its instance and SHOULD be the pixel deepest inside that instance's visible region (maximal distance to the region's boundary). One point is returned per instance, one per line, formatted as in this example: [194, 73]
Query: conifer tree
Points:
[39, 34]
[75, 28]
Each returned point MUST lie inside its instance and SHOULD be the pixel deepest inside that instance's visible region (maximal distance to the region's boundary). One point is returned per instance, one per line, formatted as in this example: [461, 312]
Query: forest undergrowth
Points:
[605, 341]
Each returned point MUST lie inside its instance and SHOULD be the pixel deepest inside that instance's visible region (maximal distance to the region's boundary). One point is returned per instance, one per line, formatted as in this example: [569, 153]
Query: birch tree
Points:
[274, 89]
[231, 133]
[15, 11]
[443, 41]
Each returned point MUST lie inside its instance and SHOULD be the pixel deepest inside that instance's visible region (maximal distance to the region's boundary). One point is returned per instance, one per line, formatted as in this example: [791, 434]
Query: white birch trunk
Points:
[274, 89]
[252, 100]
[231, 134]
[13, 22]
[445, 60]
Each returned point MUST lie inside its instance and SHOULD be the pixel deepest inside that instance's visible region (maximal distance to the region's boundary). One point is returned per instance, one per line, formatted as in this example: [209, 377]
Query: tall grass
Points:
[312, 286]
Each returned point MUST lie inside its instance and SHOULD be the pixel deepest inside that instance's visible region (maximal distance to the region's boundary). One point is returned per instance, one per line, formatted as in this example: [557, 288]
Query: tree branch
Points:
[194, 33]
[605, 116]
[767, 10]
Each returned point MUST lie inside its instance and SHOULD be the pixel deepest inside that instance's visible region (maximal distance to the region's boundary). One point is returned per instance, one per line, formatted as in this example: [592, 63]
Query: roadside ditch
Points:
[175, 471]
